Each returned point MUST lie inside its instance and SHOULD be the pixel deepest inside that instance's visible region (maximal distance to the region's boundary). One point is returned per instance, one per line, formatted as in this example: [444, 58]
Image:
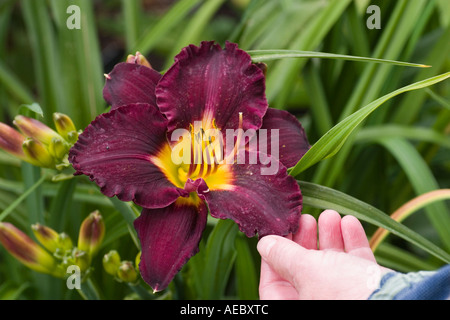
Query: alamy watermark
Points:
[74, 280]
[374, 20]
[74, 20]
[210, 147]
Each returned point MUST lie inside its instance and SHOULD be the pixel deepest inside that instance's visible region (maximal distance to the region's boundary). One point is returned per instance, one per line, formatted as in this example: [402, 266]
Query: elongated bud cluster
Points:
[38, 144]
[121, 270]
[92, 232]
[57, 252]
[24, 249]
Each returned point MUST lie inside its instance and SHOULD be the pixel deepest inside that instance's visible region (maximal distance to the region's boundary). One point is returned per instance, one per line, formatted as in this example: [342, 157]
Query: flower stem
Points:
[13, 205]
[88, 290]
[141, 292]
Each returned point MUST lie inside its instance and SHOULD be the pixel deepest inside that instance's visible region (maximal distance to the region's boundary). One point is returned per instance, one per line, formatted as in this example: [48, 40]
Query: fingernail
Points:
[265, 244]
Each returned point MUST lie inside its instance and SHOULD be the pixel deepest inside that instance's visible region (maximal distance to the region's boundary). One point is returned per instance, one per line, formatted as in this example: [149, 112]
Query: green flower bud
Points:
[37, 154]
[11, 141]
[58, 148]
[65, 127]
[35, 129]
[111, 262]
[127, 272]
[72, 137]
[24, 249]
[138, 260]
[92, 232]
[64, 242]
[46, 236]
[138, 59]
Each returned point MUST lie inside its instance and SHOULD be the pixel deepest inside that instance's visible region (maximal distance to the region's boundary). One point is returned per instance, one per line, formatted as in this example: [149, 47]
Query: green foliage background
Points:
[398, 152]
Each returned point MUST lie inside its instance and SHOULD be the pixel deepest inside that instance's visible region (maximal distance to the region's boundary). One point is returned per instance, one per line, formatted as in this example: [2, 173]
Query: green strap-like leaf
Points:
[375, 133]
[331, 142]
[326, 198]
[212, 265]
[164, 25]
[267, 55]
[245, 268]
[23, 196]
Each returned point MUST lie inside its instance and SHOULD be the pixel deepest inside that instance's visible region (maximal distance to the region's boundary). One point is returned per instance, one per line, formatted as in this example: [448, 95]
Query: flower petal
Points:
[130, 83]
[115, 151]
[291, 143]
[209, 83]
[169, 237]
[258, 203]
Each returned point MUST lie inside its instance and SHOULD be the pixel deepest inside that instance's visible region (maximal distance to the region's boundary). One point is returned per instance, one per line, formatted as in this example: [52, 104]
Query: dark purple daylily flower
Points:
[127, 152]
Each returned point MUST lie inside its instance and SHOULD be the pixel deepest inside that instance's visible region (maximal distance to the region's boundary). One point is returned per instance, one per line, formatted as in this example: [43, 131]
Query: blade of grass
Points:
[409, 108]
[400, 260]
[423, 181]
[246, 275]
[154, 33]
[374, 79]
[129, 215]
[329, 144]
[61, 204]
[406, 210]
[80, 55]
[193, 30]
[14, 86]
[441, 101]
[131, 9]
[286, 70]
[23, 197]
[219, 255]
[247, 18]
[35, 201]
[9, 291]
[358, 29]
[286, 18]
[45, 58]
[390, 45]
[319, 105]
[373, 133]
[267, 55]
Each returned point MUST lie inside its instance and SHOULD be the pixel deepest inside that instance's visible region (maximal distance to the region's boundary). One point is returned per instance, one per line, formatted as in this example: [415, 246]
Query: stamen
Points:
[191, 164]
[236, 148]
[204, 158]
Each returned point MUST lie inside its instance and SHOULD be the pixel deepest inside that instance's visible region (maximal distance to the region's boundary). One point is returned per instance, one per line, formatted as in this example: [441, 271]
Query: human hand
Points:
[343, 267]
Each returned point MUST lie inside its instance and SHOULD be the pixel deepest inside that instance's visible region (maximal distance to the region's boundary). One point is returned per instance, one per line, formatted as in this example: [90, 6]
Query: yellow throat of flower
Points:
[198, 153]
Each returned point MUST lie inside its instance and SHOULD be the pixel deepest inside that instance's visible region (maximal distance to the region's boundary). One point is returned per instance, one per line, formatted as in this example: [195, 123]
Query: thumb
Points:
[283, 256]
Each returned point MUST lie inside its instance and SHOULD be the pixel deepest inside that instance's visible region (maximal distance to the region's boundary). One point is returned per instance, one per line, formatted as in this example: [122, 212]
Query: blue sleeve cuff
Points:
[423, 285]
